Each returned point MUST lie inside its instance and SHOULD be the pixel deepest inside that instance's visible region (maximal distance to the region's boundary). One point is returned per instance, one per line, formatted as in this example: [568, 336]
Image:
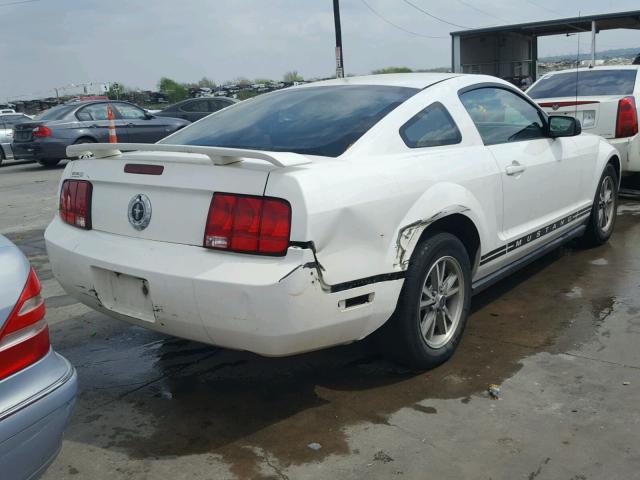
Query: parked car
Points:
[7, 122]
[605, 101]
[46, 138]
[37, 386]
[326, 211]
[194, 109]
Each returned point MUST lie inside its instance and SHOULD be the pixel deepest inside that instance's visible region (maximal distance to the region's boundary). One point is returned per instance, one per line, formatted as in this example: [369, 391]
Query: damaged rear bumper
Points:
[271, 306]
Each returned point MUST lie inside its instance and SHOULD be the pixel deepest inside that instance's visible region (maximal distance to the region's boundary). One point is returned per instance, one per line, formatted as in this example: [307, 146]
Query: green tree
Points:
[173, 90]
[392, 70]
[292, 76]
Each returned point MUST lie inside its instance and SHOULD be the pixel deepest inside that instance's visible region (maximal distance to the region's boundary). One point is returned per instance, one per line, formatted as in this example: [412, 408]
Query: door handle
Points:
[515, 168]
[130, 124]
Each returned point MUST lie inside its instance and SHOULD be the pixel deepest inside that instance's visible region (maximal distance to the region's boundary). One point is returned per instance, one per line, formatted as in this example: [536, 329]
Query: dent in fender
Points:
[409, 234]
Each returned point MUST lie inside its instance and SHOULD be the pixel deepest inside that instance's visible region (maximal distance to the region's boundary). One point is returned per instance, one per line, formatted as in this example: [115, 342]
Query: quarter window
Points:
[502, 116]
[432, 127]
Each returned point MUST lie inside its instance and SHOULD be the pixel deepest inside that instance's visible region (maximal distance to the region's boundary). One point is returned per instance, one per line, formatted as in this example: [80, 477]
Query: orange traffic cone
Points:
[112, 125]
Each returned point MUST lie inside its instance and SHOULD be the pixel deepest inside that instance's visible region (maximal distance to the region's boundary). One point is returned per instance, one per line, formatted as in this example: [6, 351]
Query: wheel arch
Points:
[85, 137]
[461, 216]
[460, 226]
[615, 161]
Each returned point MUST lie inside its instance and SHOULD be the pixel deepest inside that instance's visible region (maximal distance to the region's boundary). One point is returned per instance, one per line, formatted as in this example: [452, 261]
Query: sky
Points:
[55, 43]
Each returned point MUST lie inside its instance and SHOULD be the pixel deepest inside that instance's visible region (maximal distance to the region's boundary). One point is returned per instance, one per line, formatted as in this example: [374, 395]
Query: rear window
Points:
[56, 113]
[10, 120]
[313, 120]
[590, 83]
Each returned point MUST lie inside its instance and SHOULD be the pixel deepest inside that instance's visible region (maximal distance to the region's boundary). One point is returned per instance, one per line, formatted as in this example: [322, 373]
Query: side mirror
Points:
[148, 116]
[560, 126]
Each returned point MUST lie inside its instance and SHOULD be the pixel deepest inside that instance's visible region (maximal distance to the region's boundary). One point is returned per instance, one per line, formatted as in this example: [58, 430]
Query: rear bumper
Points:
[39, 150]
[629, 149]
[271, 306]
[31, 430]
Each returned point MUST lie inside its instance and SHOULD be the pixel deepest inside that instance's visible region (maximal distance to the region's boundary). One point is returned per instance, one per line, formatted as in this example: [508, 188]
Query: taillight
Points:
[41, 131]
[249, 224]
[627, 122]
[75, 203]
[24, 339]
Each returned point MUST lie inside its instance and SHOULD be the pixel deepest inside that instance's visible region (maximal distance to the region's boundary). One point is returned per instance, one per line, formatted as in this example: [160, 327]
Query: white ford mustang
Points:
[313, 216]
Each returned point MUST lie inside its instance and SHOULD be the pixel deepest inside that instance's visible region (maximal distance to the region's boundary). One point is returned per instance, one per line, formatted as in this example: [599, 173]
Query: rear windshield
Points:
[56, 113]
[590, 83]
[312, 120]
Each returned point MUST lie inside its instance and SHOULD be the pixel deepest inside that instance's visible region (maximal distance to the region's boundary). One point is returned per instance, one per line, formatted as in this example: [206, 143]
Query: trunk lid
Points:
[23, 132]
[597, 115]
[179, 197]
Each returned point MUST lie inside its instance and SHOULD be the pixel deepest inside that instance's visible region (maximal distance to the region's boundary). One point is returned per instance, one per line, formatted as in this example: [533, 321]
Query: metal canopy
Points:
[606, 21]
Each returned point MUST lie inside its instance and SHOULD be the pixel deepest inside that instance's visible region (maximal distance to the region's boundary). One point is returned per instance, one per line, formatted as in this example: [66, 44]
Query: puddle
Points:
[189, 399]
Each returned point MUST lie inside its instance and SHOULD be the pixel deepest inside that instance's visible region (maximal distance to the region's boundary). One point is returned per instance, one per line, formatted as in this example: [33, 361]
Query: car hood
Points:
[13, 277]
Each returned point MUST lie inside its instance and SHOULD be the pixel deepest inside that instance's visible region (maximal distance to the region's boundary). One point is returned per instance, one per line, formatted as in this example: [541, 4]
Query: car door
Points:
[541, 180]
[141, 127]
[94, 123]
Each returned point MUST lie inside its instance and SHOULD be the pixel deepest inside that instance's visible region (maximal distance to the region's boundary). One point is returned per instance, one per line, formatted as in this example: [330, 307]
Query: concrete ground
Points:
[562, 338]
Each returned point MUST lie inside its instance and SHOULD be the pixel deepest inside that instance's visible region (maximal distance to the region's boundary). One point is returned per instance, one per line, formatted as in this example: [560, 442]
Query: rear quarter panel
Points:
[354, 207]
[14, 270]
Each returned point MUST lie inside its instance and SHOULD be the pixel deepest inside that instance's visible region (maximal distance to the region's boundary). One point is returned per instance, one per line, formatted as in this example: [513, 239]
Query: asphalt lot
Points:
[561, 337]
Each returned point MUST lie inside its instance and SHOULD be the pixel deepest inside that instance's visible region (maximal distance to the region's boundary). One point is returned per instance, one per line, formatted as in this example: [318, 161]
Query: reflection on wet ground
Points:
[149, 396]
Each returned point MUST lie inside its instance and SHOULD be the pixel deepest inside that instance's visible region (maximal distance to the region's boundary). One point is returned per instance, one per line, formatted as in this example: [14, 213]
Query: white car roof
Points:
[413, 80]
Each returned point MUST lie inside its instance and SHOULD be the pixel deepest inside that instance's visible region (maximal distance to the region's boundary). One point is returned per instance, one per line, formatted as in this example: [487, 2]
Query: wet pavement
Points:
[562, 338]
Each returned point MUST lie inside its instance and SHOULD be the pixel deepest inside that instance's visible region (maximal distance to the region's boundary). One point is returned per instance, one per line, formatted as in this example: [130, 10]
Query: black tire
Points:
[597, 233]
[408, 343]
[1, 155]
[49, 162]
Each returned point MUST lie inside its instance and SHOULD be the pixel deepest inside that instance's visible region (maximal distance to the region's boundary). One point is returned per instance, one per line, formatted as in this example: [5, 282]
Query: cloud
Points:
[52, 43]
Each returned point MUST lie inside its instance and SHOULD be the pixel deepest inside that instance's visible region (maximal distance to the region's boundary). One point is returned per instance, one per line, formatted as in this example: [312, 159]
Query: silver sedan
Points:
[37, 386]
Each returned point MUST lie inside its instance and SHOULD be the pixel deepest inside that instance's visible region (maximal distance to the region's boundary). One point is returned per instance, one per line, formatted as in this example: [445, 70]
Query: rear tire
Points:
[433, 306]
[603, 212]
[49, 163]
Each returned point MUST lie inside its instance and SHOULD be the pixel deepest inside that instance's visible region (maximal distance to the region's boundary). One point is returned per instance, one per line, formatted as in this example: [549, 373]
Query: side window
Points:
[502, 116]
[215, 105]
[432, 127]
[195, 106]
[97, 111]
[129, 112]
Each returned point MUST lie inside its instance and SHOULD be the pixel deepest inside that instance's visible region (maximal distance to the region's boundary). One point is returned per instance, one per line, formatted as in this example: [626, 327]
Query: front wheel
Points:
[434, 303]
[604, 210]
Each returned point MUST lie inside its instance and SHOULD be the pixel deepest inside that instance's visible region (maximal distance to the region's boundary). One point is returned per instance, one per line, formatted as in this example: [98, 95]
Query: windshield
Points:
[590, 83]
[312, 120]
[55, 113]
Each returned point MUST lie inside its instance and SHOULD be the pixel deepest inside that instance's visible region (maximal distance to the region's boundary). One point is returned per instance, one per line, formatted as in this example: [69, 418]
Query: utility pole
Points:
[339, 59]
[593, 43]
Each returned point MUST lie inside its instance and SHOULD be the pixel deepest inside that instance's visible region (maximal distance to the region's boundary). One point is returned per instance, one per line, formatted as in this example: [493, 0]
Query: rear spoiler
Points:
[217, 155]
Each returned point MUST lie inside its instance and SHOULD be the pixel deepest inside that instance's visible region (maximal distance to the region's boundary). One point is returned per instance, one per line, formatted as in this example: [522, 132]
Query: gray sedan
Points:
[37, 386]
[46, 138]
[7, 122]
